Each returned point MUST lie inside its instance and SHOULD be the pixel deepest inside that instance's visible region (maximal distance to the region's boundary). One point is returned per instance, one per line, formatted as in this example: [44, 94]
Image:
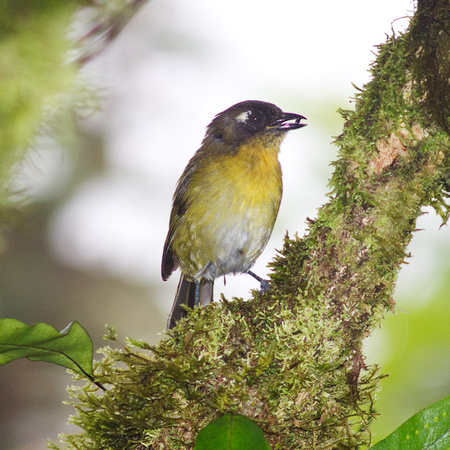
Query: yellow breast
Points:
[233, 203]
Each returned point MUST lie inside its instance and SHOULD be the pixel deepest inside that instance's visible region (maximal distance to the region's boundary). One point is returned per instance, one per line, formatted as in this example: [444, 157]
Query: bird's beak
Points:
[288, 121]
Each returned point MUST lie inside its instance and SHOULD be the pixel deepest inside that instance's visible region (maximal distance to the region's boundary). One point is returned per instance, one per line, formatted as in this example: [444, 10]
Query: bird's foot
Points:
[265, 285]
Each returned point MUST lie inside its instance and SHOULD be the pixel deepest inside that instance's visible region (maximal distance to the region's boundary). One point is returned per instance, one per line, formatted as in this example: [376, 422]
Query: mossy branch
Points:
[291, 359]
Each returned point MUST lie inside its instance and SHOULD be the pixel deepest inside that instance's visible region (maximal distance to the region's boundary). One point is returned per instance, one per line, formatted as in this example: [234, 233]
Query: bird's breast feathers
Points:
[234, 201]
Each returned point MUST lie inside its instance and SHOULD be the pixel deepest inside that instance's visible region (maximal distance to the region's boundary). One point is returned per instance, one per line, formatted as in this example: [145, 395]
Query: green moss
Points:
[169, 392]
[291, 359]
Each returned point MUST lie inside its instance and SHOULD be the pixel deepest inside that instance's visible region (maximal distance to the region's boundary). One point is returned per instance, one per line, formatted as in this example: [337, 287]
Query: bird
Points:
[226, 201]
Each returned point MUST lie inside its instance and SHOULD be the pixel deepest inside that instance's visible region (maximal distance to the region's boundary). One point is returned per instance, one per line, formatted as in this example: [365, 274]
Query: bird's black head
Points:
[246, 119]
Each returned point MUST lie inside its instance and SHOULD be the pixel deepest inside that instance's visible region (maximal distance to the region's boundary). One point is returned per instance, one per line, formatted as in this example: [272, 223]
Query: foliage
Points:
[34, 76]
[429, 428]
[231, 432]
[70, 348]
[291, 359]
[39, 74]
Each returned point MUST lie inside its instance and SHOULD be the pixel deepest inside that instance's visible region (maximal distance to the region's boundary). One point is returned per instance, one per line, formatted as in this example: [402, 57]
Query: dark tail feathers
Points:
[186, 296]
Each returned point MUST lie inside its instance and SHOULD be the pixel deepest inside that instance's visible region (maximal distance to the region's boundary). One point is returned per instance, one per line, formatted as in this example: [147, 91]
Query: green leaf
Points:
[428, 429]
[71, 348]
[231, 432]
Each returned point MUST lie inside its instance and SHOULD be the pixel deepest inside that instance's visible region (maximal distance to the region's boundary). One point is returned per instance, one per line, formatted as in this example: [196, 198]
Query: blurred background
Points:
[88, 245]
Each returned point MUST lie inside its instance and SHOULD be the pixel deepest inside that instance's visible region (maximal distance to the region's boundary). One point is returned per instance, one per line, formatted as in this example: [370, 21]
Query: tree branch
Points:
[291, 359]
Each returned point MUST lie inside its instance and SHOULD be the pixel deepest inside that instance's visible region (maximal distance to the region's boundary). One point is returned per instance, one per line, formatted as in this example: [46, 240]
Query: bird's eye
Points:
[251, 119]
[255, 120]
